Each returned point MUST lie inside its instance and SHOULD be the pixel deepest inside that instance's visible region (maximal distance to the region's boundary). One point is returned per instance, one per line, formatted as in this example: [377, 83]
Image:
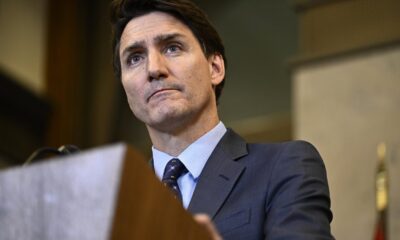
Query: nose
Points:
[156, 66]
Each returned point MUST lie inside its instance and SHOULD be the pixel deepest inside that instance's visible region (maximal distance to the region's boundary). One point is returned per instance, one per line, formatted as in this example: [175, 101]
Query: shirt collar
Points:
[195, 156]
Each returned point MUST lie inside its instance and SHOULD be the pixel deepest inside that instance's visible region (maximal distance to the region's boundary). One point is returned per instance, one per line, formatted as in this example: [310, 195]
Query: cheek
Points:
[132, 92]
[128, 88]
[200, 79]
[197, 72]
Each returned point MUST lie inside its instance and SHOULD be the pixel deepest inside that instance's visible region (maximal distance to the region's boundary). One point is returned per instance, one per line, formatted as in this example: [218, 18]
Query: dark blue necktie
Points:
[173, 170]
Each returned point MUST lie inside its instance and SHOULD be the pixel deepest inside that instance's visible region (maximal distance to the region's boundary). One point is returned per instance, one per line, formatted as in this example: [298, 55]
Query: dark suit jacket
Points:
[264, 191]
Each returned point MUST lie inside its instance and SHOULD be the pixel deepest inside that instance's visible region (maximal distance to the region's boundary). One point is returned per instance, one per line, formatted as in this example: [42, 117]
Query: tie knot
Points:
[174, 169]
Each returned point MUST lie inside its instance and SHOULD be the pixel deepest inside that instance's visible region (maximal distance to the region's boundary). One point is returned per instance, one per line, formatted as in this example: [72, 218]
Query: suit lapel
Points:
[219, 175]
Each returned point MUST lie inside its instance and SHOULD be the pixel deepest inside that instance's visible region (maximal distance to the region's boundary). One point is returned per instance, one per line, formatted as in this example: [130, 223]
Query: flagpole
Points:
[381, 193]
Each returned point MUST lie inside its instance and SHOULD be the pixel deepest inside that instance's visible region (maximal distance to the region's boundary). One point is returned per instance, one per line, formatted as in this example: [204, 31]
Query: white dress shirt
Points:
[194, 157]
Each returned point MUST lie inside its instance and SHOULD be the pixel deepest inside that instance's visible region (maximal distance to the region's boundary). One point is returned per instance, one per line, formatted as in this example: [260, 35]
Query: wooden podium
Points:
[105, 193]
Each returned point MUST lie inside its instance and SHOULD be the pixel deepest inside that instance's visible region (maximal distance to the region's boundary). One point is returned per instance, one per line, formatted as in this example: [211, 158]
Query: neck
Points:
[175, 141]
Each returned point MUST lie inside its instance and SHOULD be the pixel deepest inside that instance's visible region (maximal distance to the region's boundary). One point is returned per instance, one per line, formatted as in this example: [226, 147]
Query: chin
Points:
[170, 120]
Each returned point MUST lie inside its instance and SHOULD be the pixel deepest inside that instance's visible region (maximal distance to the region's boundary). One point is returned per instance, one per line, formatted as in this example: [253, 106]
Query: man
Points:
[171, 62]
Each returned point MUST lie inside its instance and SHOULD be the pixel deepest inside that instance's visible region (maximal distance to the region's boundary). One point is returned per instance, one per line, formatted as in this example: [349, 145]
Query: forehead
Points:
[150, 26]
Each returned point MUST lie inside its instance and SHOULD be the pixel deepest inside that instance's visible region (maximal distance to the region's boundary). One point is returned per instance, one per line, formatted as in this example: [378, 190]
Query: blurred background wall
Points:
[346, 99]
[323, 71]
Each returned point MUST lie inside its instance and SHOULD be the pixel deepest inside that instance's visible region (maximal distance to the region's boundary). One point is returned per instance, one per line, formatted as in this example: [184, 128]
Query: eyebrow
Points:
[167, 37]
[158, 39]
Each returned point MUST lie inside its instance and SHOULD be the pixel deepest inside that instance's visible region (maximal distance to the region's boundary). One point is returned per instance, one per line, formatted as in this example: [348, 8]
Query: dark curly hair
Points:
[122, 11]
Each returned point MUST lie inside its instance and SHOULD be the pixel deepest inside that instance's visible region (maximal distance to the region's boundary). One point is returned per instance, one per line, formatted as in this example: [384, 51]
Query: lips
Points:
[160, 91]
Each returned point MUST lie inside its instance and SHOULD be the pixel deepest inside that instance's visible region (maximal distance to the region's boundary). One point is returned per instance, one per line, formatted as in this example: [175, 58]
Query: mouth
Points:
[160, 92]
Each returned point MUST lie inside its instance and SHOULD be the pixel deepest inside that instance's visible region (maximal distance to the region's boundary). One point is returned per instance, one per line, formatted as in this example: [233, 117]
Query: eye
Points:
[134, 59]
[173, 48]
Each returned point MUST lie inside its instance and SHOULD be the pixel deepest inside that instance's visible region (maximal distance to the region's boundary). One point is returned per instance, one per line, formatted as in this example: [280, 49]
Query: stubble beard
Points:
[179, 119]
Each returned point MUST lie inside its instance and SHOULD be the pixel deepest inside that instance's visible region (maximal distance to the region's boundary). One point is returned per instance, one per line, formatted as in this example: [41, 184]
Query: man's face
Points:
[165, 74]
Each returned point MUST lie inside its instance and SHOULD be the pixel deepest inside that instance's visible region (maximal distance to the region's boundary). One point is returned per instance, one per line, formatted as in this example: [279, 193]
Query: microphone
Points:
[68, 149]
[44, 151]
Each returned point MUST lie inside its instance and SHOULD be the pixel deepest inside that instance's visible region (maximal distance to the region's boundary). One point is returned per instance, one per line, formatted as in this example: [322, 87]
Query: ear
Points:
[217, 68]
